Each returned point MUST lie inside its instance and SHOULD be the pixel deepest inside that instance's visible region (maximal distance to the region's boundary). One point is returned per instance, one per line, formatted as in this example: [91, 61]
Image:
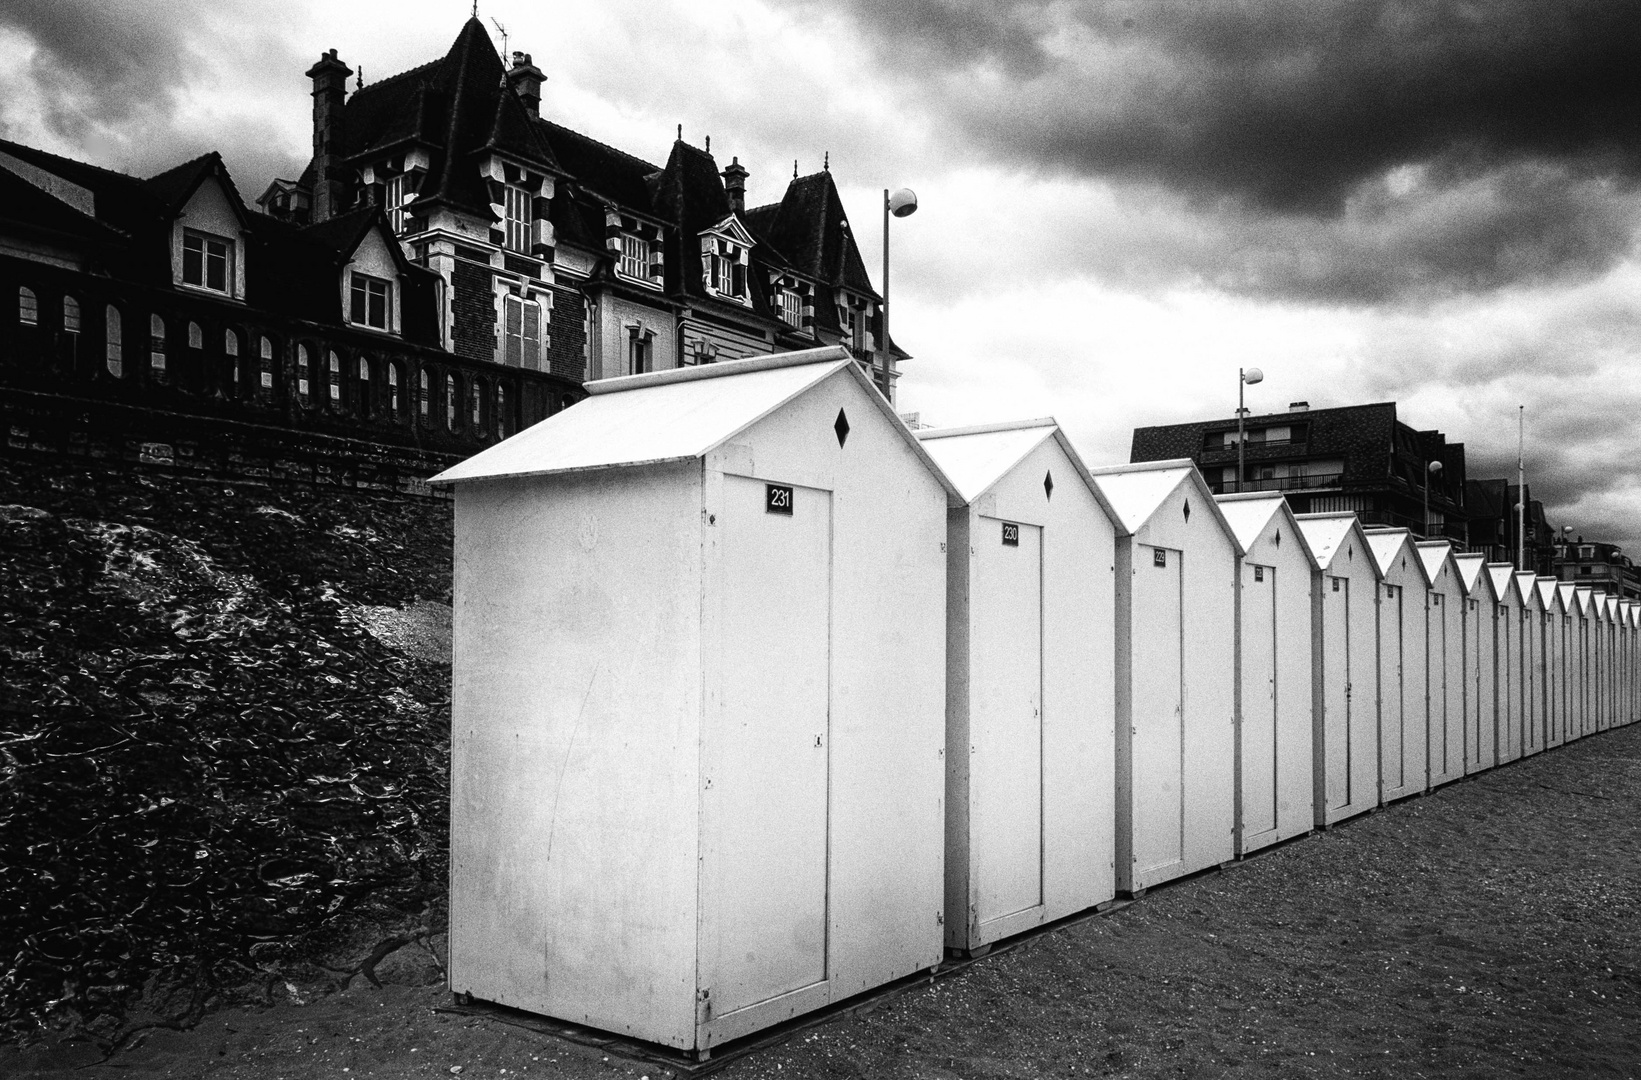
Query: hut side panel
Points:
[575, 741]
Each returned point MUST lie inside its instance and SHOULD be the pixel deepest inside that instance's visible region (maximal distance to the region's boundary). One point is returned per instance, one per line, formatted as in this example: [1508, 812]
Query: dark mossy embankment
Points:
[224, 731]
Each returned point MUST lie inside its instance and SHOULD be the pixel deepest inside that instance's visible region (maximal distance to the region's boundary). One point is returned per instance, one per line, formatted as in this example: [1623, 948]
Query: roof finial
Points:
[709, 144]
[794, 168]
[475, 9]
[826, 162]
[360, 83]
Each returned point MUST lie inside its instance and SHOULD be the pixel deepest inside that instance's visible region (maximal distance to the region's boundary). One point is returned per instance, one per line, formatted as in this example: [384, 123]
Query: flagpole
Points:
[1521, 488]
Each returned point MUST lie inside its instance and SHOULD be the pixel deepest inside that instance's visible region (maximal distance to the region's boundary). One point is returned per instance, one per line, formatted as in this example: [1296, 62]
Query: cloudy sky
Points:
[1122, 202]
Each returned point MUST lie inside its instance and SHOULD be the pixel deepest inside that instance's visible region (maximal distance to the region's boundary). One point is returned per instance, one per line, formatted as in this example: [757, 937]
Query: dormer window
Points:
[791, 305]
[207, 261]
[517, 218]
[635, 257]
[371, 300]
[394, 197]
[725, 251]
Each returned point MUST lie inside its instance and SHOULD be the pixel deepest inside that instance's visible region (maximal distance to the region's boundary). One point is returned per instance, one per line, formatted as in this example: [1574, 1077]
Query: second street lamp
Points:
[902, 203]
[1246, 377]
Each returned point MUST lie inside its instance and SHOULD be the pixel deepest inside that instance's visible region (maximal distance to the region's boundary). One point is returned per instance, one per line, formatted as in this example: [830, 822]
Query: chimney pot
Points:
[735, 175]
[330, 87]
[526, 79]
[1299, 406]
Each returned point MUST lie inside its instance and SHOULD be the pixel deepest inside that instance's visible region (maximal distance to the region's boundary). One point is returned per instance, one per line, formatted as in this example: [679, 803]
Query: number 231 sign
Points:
[778, 499]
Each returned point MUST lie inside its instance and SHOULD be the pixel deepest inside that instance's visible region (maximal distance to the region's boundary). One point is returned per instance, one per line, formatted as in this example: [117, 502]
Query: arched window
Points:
[230, 364]
[363, 398]
[230, 340]
[476, 397]
[304, 372]
[425, 398]
[196, 336]
[450, 402]
[28, 307]
[393, 404]
[156, 344]
[111, 322]
[333, 379]
[501, 411]
[267, 365]
[71, 315]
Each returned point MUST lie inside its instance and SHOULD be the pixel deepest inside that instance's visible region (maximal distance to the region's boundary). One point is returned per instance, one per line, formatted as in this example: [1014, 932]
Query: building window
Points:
[450, 402]
[363, 398]
[501, 411]
[28, 307]
[393, 404]
[517, 218]
[635, 257]
[206, 261]
[370, 301]
[304, 372]
[111, 335]
[425, 395]
[522, 332]
[267, 365]
[395, 198]
[638, 353]
[71, 315]
[476, 401]
[334, 380]
[792, 308]
[156, 343]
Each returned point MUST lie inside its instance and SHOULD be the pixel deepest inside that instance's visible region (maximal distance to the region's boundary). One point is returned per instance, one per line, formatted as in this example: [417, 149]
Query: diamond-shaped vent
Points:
[841, 426]
[1048, 484]
[1187, 509]
[1279, 538]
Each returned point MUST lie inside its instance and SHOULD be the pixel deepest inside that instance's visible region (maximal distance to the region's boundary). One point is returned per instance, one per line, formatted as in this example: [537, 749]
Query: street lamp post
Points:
[1429, 470]
[1245, 377]
[902, 203]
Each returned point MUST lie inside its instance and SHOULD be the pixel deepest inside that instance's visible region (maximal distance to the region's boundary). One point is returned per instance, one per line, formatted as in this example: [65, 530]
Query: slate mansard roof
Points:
[459, 108]
[126, 222]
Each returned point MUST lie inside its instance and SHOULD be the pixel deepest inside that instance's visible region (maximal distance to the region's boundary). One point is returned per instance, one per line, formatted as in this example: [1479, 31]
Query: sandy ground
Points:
[1490, 929]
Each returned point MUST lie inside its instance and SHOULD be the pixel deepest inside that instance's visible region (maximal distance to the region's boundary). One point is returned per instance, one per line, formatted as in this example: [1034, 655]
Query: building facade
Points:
[556, 253]
[1357, 458]
[1603, 567]
[450, 267]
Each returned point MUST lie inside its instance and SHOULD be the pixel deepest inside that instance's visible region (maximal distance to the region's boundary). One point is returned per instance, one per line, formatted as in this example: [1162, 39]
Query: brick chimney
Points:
[526, 79]
[735, 175]
[330, 86]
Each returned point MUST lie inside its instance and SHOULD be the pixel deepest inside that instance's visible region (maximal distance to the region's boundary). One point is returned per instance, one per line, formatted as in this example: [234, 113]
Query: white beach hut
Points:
[1176, 670]
[1447, 668]
[698, 706]
[1510, 654]
[1627, 621]
[1595, 603]
[1404, 696]
[1533, 696]
[1480, 677]
[1030, 619]
[1345, 667]
[1581, 717]
[1275, 791]
[1555, 663]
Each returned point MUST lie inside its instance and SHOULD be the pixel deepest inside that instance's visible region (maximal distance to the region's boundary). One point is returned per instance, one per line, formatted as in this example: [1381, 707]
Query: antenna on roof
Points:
[500, 29]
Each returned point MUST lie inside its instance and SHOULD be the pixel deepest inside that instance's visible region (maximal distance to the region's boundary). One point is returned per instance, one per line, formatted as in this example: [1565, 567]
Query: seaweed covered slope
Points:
[224, 733]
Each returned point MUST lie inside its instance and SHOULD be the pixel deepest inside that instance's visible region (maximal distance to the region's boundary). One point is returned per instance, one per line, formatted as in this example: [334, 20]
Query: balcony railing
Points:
[1278, 483]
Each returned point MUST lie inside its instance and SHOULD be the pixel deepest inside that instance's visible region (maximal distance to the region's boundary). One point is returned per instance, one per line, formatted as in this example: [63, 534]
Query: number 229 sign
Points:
[778, 499]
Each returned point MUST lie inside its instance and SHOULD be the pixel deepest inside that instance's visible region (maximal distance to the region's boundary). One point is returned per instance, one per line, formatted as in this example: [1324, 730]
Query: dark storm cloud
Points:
[122, 68]
[1517, 118]
[1286, 105]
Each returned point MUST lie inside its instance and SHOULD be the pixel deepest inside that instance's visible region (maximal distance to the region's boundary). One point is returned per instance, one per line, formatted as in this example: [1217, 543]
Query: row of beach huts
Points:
[762, 700]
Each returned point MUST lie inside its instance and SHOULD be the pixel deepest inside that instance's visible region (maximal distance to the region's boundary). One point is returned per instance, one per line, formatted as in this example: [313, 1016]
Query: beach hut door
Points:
[767, 744]
[1006, 726]
[1159, 709]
